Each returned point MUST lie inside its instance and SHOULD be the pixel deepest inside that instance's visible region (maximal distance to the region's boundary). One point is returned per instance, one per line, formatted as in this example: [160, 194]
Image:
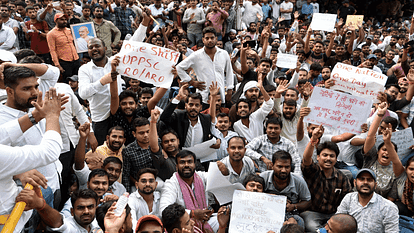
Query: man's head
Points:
[149, 224]
[209, 37]
[282, 165]
[128, 102]
[223, 122]
[73, 82]
[326, 73]
[123, 4]
[31, 12]
[185, 163]
[390, 55]
[103, 209]
[86, 11]
[254, 183]
[146, 181]
[115, 138]
[113, 166]
[98, 181]
[303, 74]
[289, 109]
[274, 128]
[315, 69]
[243, 108]
[392, 90]
[141, 130]
[98, 12]
[193, 105]
[4, 11]
[403, 84]
[385, 124]
[96, 49]
[365, 182]
[21, 87]
[318, 47]
[84, 203]
[20, 8]
[251, 91]
[170, 142]
[340, 50]
[327, 154]
[145, 95]
[264, 66]
[236, 148]
[291, 93]
[61, 20]
[83, 32]
[341, 223]
[175, 218]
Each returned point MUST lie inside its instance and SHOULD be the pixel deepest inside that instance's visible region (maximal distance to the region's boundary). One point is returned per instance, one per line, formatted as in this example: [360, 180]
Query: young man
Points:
[105, 29]
[176, 219]
[37, 36]
[145, 200]
[254, 183]
[327, 185]
[372, 212]
[194, 18]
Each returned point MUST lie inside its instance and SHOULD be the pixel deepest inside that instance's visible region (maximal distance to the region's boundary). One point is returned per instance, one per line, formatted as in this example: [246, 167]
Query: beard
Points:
[22, 104]
[288, 117]
[144, 191]
[186, 175]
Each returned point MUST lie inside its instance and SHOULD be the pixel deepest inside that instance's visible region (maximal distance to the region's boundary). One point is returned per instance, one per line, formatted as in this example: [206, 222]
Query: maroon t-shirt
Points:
[38, 43]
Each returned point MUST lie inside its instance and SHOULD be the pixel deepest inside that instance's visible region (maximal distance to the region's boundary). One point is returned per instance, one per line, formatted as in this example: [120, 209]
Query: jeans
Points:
[194, 38]
[314, 220]
[353, 169]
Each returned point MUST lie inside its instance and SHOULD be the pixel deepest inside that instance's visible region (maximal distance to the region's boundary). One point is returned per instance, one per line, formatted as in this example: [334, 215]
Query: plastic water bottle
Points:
[121, 203]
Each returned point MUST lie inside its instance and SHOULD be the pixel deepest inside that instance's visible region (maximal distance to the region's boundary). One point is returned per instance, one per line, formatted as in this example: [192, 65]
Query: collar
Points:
[14, 112]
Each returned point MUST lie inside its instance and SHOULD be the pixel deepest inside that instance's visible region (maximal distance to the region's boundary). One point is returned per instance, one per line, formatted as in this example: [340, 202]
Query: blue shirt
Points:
[307, 9]
[266, 10]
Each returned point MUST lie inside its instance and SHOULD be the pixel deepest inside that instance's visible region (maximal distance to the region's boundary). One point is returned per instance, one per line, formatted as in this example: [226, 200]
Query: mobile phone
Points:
[234, 53]
[251, 43]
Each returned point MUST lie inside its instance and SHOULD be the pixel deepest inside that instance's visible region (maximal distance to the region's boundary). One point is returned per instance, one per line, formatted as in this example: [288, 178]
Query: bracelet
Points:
[153, 122]
[220, 227]
[43, 207]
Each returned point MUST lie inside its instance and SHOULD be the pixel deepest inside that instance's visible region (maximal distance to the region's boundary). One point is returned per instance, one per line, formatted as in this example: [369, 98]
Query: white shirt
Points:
[286, 6]
[72, 108]
[250, 12]
[276, 11]
[90, 87]
[71, 226]
[315, 6]
[222, 151]
[34, 135]
[194, 134]
[139, 206]
[7, 37]
[17, 160]
[209, 71]
[248, 168]
[256, 119]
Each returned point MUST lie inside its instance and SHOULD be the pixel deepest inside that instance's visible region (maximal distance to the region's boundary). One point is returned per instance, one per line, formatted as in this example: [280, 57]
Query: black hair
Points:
[112, 159]
[275, 121]
[171, 217]
[13, 75]
[388, 86]
[209, 30]
[222, 114]
[84, 194]
[347, 222]
[98, 172]
[265, 59]
[292, 89]
[167, 131]
[269, 88]
[31, 59]
[236, 137]
[86, 7]
[328, 145]
[22, 53]
[146, 90]
[291, 228]
[98, 7]
[126, 94]
[289, 102]
[117, 127]
[138, 122]
[103, 209]
[244, 100]
[319, 42]
[184, 153]
[147, 170]
[316, 67]
[194, 96]
[21, 3]
[390, 120]
[253, 177]
[281, 155]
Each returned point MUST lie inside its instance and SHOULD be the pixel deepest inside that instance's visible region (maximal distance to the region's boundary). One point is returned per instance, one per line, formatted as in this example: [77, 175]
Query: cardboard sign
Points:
[354, 20]
[403, 139]
[285, 60]
[338, 110]
[257, 212]
[361, 82]
[147, 63]
[324, 22]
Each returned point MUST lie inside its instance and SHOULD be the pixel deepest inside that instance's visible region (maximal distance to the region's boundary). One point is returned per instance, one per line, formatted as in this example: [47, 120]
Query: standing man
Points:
[48, 14]
[62, 49]
[123, 20]
[372, 212]
[286, 9]
[9, 22]
[210, 64]
[37, 38]
[7, 38]
[194, 18]
[252, 12]
[105, 30]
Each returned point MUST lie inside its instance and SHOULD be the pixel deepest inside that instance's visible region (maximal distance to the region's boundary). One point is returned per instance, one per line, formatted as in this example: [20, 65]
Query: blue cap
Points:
[369, 171]
[372, 56]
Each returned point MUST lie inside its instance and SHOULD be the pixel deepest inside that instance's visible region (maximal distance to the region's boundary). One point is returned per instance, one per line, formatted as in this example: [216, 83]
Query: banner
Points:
[285, 60]
[354, 20]
[403, 139]
[147, 63]
[338, 110]
[257, 212]
[361, 82]
[324, 22]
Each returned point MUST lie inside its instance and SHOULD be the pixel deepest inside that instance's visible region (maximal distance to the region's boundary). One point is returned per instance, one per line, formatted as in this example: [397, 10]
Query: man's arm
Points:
[351, 41]
[9, 43]
[159, 93]
[306, 47]
[370, 140]
[329, 49]
[307, 154]
[396, 162]
[166, 115]
[113, 86]
[251, 151]
[243, 59]
[214, 91]
[80, 149]
[116, 33]
[153, 135]
[299, 129]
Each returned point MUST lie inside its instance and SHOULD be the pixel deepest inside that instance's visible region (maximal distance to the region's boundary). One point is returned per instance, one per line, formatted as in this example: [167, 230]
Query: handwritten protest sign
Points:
[338, 110]
[324, 22]
[147, 63]
[354, 20]
[257, 212]
[361, 82]
[403, 139]
[285, 60]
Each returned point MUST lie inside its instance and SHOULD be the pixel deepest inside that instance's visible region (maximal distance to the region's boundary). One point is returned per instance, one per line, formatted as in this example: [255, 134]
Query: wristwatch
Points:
[31, 118]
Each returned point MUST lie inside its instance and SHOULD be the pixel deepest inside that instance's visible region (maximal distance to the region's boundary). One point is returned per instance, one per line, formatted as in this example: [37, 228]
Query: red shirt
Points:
[38, 43]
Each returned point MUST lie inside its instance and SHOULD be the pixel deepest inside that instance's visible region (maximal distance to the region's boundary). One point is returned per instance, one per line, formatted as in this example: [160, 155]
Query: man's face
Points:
[253, 186]
[61, 22]
[102, 3]
[281, 32]
[37, 8]
[209, 40]
[86, 12]
[317, 49]
[302, 32]
[390, 55]
[145, 97]
[146, 183]
[236, 149]
[31, 14]
[170, 143]
[326, 159]
[289, 112]
[326, 74]
[193, 107]
[114, 171]
[115, 140]
[142, 134]
[83, 211]
[4, 11]
[98, 13]
[252, 27]
[96, 50]
[310, 129]
[243, 110]
[252, 94]
[186, 166]
[291, 94]
[365, 184]
[403, 85]
[340, 50]
[99, 184]
[273, 131]
[21, 11]
[223, 123]
[134, 83]
[276, 42]
[376, 38]
[333, 227]
[83, 32]
[220, 44]
[24, 93]
[186, 223]
[264, 68]
[393, 92]
[250, 63]
[123, 4]
[150, 227]
[303, 74]
[282, 168]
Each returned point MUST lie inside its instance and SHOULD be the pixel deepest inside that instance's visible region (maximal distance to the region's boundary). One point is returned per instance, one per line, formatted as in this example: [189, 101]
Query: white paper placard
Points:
[324, 22]
[285, 60]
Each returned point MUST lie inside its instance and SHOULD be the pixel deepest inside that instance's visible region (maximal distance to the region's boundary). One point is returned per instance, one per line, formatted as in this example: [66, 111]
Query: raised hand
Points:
[214, 90]
[155, 114]
[84, 130]
[283, 86]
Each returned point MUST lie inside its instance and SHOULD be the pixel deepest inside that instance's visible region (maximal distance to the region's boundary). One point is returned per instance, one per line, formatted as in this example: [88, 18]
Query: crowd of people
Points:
[84, 135]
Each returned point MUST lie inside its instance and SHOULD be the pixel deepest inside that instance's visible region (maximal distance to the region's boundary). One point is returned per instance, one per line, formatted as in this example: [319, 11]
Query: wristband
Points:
[44, 205]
